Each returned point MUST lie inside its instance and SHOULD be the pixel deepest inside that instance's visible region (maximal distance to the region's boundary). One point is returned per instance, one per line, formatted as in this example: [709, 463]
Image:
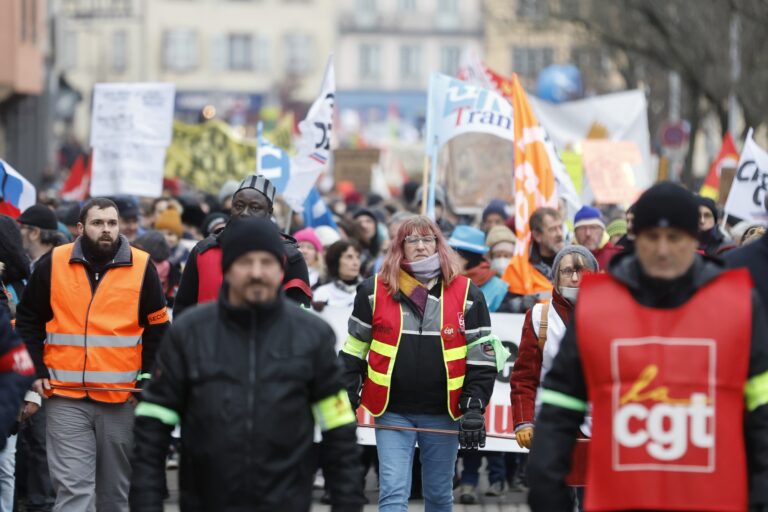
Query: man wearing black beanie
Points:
[248, 377]
[669, 350]
[711, 239]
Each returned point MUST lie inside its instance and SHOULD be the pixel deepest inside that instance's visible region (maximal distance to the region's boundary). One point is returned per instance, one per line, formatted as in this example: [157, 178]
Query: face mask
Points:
[499, 265]
[569, 293]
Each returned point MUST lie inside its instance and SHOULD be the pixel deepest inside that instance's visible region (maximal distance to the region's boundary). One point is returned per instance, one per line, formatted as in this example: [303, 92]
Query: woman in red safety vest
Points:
[421, 351]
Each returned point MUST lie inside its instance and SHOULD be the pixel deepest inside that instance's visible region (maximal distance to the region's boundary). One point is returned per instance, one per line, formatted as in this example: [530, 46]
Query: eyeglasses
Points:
[569, 272]
[426, 240]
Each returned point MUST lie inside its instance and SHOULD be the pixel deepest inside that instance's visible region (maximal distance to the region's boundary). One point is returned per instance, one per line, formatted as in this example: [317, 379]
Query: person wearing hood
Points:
[469, 243]
[312, 249]
[367, 224]
[711, 239]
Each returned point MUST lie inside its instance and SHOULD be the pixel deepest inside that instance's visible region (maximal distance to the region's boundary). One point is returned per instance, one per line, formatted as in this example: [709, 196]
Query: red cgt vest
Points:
[387, 330]
[667, 391]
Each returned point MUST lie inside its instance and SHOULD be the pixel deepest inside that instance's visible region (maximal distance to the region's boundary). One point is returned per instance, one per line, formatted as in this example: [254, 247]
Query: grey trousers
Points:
[89, 445]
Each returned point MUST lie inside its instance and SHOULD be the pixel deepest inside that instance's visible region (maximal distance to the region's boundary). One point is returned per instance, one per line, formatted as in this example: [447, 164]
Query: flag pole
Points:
[425, 185]
[432, 182]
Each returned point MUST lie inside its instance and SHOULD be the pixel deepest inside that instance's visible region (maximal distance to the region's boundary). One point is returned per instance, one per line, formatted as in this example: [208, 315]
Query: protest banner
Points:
[498, 414]
[16, 192]
[609, 168]
[749, 189]
[207, 155]
[130, 129]
[355, 165]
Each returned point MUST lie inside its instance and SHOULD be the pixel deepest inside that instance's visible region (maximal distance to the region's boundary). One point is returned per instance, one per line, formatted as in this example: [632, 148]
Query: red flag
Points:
[79, 181]
[727, 157]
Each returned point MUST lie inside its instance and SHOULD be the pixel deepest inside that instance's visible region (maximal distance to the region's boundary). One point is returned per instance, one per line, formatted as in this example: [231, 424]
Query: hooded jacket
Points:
[550, 461]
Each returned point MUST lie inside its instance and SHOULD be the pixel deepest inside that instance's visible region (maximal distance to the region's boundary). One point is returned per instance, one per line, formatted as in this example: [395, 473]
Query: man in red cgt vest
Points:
[672, 352]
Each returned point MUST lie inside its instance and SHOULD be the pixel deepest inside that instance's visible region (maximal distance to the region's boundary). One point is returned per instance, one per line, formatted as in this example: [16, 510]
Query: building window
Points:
[406, 5]
[529, 61]
[449, 60]
[370, 61]
[240, 52]
[260, 53]
[298, 53]
[179, 50]
[447, 6]
[410, 62]
[69, 50]
[532, 10]
[120, 51]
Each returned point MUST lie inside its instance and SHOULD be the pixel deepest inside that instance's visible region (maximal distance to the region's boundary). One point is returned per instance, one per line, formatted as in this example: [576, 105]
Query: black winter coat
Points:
[243, 383]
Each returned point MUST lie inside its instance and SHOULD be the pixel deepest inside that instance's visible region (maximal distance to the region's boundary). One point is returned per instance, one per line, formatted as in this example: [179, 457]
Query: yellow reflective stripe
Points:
[756, 391]
[379, 378]
[383, 349]
[333, 411]
[356, 347]
[453, 354]
[455, 383]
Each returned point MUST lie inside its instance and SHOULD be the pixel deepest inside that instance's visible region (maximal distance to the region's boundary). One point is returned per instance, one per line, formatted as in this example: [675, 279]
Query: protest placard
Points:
[126, 168]
[609, 167]
[747, 198]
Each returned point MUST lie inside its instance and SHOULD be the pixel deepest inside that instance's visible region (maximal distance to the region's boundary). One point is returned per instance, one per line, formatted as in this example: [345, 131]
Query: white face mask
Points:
[569, 293]
[499, 265]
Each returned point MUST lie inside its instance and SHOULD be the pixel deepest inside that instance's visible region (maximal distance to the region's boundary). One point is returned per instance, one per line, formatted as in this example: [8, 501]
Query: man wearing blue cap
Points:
[589, 229]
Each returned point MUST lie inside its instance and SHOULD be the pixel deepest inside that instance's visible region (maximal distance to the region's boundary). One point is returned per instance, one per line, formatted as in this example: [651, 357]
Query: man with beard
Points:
[92, 316]
[202, 275]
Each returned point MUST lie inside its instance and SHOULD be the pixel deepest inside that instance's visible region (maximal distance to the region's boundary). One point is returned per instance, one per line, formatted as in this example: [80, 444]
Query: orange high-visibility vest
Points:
[387, 330]
[94, 339]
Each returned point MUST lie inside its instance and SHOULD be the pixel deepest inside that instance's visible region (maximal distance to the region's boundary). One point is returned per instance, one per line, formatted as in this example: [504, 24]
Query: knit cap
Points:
[588, 216]
[244, 235]
[709, 203]
[499, 234]
[327, 235]
[154, 243]
[585, 253]
[39, 216]
[497, 206]
[667, 205]
[616, 227]
[170, 220]
[308, 235]
[259, 183]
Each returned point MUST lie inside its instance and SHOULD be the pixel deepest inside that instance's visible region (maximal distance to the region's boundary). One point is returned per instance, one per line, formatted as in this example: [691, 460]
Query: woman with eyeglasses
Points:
[420, 354]
[540, 340]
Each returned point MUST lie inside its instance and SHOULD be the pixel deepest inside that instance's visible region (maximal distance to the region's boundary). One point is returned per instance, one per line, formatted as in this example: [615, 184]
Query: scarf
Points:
[423, 270]
[415, 277]
[481, 273]
[415, 290]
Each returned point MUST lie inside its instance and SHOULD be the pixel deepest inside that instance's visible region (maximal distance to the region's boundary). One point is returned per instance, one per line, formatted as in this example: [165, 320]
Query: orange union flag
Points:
[534, 188]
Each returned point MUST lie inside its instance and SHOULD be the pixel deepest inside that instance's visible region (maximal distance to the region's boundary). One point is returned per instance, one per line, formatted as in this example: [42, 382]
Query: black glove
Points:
[472, 427]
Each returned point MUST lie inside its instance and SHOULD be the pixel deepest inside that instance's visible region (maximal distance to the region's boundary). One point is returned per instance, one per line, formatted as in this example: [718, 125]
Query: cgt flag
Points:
[727, 157]
[313, 147]
[748, 198]
[534, 188]
[16, 193]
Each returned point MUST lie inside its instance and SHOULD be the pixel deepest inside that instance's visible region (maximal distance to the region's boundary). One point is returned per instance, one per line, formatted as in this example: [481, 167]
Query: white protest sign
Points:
[749, 190]
[126, 168]
[498, 414]
[132, 112]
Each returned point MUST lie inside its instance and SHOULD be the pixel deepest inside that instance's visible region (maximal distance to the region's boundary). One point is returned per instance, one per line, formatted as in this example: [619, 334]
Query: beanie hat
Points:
[308, 235]
[667, 205]
[709, 203]
[72, 217]
[499, 234]
[170, 220]
[126, 208]
[616, 227]
[259, 183]
[154, 243]
[228, 189]
[250, 234]
[588, 216]
[39, 216]
[327, 235]
[468, 239]
[212, 221]
[582, 251]
[193, 215]
[496, 206]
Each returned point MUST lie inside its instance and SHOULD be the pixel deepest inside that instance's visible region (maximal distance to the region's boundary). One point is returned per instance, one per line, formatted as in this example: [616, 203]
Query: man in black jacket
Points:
[202, 277]
[245, 376]
[659, 346]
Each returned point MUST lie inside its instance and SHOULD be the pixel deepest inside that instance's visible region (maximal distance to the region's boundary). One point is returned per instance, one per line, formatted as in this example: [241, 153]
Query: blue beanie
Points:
[496, 206]
[468, 239]
[588, 216]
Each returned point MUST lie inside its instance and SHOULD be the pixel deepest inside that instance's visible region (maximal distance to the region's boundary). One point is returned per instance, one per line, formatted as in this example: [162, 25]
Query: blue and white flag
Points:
[316, 212]
[17, 193]
[313, 147]
[272, 161]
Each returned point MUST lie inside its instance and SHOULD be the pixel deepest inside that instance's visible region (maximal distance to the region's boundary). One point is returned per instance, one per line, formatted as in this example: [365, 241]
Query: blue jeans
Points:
[7, 471]
[438, 460]
[497, 467]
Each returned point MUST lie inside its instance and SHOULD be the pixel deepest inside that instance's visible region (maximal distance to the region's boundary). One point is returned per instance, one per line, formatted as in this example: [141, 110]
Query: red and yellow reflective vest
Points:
[667, 392]
[94, 339]
[387, 330]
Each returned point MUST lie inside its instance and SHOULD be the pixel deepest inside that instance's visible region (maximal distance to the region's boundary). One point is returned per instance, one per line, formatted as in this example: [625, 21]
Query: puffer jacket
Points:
[244, 384]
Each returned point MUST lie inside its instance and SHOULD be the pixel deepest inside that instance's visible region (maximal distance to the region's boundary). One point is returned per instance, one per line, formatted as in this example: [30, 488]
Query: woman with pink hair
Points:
[419, 354]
